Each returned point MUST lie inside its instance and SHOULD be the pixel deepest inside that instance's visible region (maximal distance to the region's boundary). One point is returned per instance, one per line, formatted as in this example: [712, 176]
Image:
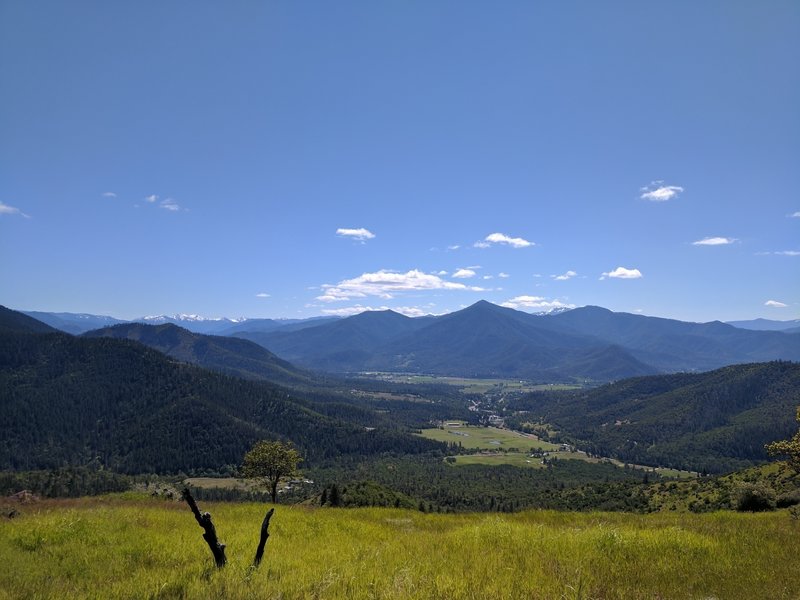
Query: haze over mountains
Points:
[484, 340]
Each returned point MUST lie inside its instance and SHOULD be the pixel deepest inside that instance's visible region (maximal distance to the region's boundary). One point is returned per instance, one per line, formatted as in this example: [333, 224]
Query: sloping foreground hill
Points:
[62, 549]
[234, 356]
[716, 421]
[66, 400]
[485, 340]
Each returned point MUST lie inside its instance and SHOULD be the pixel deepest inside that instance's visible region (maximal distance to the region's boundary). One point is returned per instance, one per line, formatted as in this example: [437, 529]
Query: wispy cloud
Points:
[788, 253]
[536, 303]
[795, 215]
[359, 234]
[5, 209]
[151, 198]
[564, 276]
[454, 247]
[658, 192]
[715, 241]
[262, 295]
[623, 273]
[775, 304]
[464, 274]
[349, 311]
[386, 284]
[169, 204]
[109, 195]
[502, 238]
[503, 275]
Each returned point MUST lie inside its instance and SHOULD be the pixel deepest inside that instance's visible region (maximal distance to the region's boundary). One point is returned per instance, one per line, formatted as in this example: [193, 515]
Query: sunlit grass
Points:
[487, 438]
[148, 549]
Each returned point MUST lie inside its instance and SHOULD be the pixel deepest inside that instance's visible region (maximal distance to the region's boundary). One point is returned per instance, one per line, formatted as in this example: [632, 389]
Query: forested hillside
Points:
[230, 355]
[716, 421]
[73, 401]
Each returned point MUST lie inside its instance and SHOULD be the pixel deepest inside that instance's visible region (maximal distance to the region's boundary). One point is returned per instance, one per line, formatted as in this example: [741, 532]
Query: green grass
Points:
[487, 438]
[475, 386]
[114, 548]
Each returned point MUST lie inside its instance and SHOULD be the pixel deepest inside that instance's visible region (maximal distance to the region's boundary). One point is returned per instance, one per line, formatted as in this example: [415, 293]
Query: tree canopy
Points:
[790, 447]
[269, 462]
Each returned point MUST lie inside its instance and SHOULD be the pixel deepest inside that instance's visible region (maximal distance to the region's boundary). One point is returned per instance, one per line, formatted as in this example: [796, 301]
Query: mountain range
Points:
[486, 340]
[78, 323]
[483, 340]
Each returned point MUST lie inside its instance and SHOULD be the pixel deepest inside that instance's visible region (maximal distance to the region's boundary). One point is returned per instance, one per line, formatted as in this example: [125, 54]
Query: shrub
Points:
[755, 497]
[788, 499]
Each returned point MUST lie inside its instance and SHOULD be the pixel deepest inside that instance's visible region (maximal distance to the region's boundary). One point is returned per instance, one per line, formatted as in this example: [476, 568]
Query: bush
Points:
[755, 497]
[788, 499]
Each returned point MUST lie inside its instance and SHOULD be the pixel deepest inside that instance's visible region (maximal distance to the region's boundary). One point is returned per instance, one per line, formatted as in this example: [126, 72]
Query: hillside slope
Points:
[716, 421]
[74, 401]
[233, 356]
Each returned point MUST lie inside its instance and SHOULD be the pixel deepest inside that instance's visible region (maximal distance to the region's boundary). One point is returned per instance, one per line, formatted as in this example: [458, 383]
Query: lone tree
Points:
[269, 462]
[790, 448]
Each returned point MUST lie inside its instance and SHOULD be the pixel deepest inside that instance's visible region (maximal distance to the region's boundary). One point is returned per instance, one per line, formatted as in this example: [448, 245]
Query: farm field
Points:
[142, 548]
[473, 386]
[487, 438]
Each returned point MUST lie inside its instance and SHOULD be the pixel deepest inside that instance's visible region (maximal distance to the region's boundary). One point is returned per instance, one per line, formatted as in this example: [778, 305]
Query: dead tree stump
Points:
[264, 536]
[210, 535]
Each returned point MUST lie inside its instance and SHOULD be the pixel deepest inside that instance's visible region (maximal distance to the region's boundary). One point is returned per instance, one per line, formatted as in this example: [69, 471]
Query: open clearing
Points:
[144, 548]
[487, 438]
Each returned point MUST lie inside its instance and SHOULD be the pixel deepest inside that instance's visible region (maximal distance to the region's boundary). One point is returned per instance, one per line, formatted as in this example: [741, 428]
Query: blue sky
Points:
[291, 159]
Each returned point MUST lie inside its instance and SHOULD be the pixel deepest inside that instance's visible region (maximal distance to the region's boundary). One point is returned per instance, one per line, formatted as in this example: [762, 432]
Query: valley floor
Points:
[128, 547]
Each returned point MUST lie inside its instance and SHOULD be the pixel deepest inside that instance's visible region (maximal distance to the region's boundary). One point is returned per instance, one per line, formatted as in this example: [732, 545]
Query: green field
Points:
[472, 386]
[117, 548]
[487, 438]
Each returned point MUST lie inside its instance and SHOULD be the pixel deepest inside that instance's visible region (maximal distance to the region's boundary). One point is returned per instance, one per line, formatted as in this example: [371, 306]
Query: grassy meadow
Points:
[125, 547]
[487, 438]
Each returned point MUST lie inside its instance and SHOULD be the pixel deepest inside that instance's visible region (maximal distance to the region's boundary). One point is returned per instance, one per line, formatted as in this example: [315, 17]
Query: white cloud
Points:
[564, 276]
[262, 295]
[109, 195]
[503, 275]
[775, 304]
[535, 302]
[502, 238]
[658, 192]
[385, 284]
[795, 215]
[454, 247]
[359, 234]
[349, 311]
[714, 241]
[464, 274]
[169, 204]
[441, 273]
[623, 273]
[5, 209]
[788, 253]
[152, 198]
[488, 277]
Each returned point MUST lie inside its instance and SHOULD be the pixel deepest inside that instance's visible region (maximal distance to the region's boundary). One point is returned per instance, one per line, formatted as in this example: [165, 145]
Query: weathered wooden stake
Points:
[210, 535]
[264, 535]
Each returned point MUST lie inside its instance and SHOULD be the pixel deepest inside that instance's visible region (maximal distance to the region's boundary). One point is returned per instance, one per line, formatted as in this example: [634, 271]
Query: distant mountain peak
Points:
[190, 318]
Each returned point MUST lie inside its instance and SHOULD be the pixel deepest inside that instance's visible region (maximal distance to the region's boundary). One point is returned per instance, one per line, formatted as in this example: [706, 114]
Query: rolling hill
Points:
[716, 421]
[234, 356]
